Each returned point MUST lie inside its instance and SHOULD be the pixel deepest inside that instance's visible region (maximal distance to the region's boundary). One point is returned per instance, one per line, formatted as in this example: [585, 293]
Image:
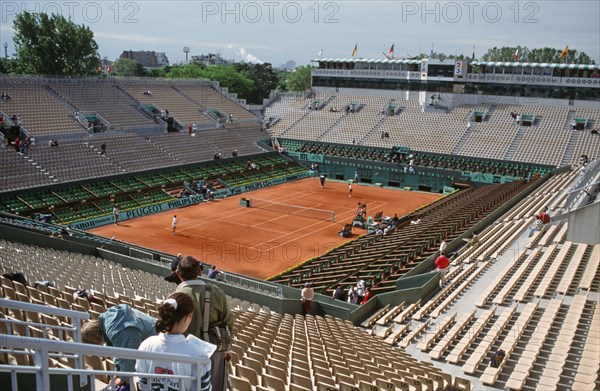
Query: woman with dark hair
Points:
[174, 317]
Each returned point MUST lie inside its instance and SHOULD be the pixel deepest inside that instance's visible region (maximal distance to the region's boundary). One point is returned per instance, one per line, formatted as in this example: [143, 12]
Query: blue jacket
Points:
[125, 327]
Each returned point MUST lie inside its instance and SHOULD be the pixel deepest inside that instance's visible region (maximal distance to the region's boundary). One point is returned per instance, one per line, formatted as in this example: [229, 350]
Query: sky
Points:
[277, 31]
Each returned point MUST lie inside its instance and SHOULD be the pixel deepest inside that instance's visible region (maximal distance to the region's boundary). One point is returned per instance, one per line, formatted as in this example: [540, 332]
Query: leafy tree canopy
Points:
[53, 45]
[128, 67]
[226, 75]
[299, 79]
[524, 54]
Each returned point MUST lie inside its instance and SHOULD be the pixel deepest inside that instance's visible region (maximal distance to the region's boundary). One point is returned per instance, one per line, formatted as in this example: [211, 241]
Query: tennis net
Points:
[296, 210]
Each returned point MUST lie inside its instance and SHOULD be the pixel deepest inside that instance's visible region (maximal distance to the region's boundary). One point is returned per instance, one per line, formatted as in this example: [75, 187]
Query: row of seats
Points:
[497, 136]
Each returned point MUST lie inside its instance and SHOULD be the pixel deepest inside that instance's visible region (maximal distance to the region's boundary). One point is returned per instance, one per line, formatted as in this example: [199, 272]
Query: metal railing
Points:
[254, 285]
[40, 349]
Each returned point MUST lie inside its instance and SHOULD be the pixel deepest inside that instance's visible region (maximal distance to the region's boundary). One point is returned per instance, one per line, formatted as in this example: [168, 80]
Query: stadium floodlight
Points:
[186, 50]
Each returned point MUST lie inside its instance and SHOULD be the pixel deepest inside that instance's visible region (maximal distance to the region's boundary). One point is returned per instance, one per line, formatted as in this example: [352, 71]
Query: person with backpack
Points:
[212, 320]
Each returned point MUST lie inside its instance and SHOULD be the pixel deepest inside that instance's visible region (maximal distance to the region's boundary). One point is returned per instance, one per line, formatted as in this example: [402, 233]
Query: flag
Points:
[354, 50]
[320, 52]
[473, 55]
[108, 69]
[99, 69]
[391, 52]
[516, 56]
[564, 52]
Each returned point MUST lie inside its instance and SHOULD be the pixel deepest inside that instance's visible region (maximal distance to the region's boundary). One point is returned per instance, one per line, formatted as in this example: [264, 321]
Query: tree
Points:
[128, 67]
[546, 54]
[299, 79]
[264, 78]
[6, 65]
[187, 71]
[226, 75]
[52, 45]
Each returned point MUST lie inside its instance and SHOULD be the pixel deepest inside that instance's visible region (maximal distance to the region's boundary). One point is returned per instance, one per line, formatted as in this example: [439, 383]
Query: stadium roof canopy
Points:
[366, 60]
[535, 65]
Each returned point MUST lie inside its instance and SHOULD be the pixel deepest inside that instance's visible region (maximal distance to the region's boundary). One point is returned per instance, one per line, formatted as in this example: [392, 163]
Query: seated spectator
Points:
[594, 131]
[234, 153]
[86, 294]
[416, 220]
[474, 241]
[16, 276]
[5, 96]
[174, 318]
[538, 225]
[497, 358]
[339, 293]
[173, 277]
[148, 92]
[544, 216]
[45, 283]
[213, 273]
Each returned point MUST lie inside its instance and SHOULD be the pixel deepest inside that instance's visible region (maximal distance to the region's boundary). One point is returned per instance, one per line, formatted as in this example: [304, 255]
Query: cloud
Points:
[138, 38]
[247, 57]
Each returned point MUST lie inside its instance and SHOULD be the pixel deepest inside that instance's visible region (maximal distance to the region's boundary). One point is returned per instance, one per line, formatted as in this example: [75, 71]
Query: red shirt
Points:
[545, 217]
[442, 262]
[368, 295]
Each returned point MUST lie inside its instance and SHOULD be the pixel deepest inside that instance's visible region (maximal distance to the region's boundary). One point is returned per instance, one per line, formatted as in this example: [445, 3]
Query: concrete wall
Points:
[584, 224]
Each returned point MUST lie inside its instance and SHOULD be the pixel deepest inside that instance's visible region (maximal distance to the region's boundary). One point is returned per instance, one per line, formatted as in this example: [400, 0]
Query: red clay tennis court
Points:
[259, 242]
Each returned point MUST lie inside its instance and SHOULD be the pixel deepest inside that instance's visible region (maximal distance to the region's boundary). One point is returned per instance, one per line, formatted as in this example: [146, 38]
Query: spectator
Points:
[443, 246]
[86, 294]
[352, 295]
[220, 319]
[497, 358]
[360, 291]
[339, 293]
[367, 296]
[474, 241]
[537, 225]
[190, 129]
[442, 262]
[416, 220]
[544, 216]
[213, 273]
[173, 277]
[103, 149]
[16, 276]
[45, 283]
[234, 153]
[307, 295]
[174, 316]
[120, 326]
[76, 116]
